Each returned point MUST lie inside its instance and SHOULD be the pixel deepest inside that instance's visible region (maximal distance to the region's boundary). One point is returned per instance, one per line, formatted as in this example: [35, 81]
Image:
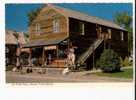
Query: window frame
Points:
[37, 28]
[56, 25]
[82, 28]
[109, 32]
[122, 35]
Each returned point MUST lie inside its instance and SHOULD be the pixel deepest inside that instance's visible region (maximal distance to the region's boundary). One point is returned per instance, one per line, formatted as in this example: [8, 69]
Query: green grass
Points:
[126, 73]
[9, 67]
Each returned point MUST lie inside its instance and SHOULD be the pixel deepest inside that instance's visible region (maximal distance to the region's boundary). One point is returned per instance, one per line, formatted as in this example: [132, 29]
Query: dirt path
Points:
[15, 77]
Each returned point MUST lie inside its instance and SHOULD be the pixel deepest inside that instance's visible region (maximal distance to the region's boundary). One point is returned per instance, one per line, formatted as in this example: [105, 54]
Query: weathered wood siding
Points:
[115, 42]
[45, 20]
[89, 28]
[118, 45]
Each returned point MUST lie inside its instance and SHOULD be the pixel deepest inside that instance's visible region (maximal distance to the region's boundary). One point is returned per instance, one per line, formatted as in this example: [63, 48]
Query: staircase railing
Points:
[89, 51]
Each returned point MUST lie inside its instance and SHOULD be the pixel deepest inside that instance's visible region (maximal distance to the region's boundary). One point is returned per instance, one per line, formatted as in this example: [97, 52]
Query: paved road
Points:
[16, 77]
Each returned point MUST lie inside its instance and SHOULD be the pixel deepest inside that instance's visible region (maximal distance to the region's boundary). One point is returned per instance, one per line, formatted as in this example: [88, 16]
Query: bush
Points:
[125, 63]
[109, 61]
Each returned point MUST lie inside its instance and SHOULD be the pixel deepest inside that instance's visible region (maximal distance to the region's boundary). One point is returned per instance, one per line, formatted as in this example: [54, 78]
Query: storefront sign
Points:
[50, 47]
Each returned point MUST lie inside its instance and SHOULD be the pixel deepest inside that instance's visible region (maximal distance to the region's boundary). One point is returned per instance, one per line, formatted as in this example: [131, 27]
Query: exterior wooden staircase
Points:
[83, 57]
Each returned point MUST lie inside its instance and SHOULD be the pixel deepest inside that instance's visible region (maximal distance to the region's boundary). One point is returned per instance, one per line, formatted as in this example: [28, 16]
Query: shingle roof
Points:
[42, 42]
[88, 18]
[10, 38]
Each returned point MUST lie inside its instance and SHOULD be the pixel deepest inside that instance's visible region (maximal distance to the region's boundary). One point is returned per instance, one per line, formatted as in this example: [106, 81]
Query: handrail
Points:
[89, 51]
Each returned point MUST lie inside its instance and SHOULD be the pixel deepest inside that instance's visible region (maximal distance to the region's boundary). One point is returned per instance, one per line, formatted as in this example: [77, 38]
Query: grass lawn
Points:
[126, 73]
[9, 67]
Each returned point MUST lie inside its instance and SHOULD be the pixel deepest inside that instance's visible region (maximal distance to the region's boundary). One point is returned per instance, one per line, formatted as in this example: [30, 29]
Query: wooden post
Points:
[43, 57]
[18, 52]
[104, 41]
[57, 55]
[68, 44]
[93, 57]
[100, 32]
[104, 44]
[57, 51]
[29, 58]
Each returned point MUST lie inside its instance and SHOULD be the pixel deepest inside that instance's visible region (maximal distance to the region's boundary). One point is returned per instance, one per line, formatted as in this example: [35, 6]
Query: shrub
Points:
[109, 61]
[125, 63]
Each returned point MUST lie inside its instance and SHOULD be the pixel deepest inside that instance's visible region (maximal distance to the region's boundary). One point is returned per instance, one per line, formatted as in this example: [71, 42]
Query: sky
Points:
[16, 14]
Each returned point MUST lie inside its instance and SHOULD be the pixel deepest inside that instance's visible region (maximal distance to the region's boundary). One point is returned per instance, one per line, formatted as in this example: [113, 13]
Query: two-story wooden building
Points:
[56, 29]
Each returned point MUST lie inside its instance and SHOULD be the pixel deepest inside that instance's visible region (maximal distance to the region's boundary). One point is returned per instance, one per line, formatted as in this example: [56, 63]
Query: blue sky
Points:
[16, 14]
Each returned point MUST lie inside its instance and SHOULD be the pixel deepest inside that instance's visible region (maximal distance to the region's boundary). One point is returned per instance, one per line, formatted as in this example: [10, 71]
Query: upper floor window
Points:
[109, 32]
[38, 28]
[122, 35]
[56, 26]
[82, 28]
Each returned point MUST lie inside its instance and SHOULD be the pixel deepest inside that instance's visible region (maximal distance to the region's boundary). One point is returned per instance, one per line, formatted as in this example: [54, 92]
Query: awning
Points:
[38, 43]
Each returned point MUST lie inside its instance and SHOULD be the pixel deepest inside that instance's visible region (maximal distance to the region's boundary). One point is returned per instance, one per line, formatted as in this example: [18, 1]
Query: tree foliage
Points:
[125, 20]
[32, 15]
[109, 61]
[16, 35]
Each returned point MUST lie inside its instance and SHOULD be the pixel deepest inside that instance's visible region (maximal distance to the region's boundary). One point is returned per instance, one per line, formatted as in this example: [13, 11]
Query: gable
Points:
[45, 22]
[48, 13]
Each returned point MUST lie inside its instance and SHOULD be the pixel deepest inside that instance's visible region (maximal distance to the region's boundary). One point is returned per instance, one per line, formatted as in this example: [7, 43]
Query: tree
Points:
[32, 15]
[109, 61]
[26, 35]
[125, 20]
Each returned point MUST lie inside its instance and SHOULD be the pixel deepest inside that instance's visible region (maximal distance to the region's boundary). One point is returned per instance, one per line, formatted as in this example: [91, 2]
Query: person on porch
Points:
[49, 59]
[71, 56]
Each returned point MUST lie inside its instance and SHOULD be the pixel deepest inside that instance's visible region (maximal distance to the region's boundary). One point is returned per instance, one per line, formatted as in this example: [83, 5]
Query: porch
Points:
[52, 54]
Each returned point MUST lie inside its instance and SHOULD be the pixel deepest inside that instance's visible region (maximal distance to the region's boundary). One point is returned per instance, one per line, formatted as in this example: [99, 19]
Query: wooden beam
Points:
[57, 51]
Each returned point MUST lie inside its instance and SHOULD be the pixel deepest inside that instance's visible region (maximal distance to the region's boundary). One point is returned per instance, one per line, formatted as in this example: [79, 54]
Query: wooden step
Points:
[58, 63]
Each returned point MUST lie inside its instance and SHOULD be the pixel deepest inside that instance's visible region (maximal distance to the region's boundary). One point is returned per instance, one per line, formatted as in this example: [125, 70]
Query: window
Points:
[122, 36]
[109, 32]
[56, 25]
[38, 28]
[82, 29]
[7, 50]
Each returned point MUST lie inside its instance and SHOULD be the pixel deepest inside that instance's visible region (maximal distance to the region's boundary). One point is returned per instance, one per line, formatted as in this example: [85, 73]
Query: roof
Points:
[42, 42]
[21, 38]
[10, 38]
[88, 18]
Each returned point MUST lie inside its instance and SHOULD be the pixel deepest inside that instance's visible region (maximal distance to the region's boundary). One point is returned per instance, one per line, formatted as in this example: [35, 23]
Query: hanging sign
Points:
[50, 47]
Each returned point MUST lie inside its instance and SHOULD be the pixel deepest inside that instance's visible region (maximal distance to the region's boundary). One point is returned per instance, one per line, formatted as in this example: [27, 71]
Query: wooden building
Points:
[14, 41]
[57, 29]
[10, 47]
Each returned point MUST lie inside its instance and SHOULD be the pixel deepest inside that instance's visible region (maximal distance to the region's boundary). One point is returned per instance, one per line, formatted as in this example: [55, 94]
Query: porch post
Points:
[57, 50]
[57, 54]
[93, 57]
[30, 56]
[43, 57]
[18, 52]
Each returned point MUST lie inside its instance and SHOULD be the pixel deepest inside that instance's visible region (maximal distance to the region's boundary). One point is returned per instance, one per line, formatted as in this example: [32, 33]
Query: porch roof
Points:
[38, 43]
